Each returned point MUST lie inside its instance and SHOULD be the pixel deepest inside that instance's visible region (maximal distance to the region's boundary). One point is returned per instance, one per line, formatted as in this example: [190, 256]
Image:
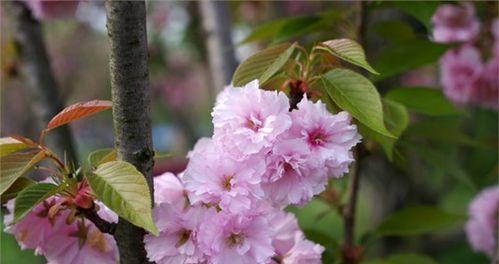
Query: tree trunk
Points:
[126, 24]
[217, 30]
[36, 69]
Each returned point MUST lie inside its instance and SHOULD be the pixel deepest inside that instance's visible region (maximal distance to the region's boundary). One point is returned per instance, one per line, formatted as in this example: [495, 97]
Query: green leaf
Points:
[15, 188]
[355, 94]
[296, 27]
[407, 258]
[265, 31]
[443, 130]
[417, 221]
[394, 30]
[406, 56]
[429, 101]
[263, 65]
[348, 50]
[101, 156]
[122, 188]
[30, 197]
[396, 119]
[10, 145]
[441, 161]
[15, 165]
[422, 10]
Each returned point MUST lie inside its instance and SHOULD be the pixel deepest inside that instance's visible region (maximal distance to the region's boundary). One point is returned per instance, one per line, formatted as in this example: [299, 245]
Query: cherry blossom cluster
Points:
[227, 206]
[481, 227]
[465, 78]
[53, 230]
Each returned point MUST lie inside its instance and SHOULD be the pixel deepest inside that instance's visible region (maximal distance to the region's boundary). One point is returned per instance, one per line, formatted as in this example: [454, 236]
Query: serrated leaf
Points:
[101, 156]
[355, 94]
[429, 101]
[263, 65]
[122, 188]
[348, 50]
[15, 188]
[396, 119]
[78, 111]
[417, 221]
[30, 197]
[10, 145]
[15, 165]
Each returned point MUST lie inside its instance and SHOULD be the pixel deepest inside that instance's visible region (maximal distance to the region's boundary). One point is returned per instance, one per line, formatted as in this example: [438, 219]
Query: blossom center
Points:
[254, 123]
[183, 237]
[317, 138]
[235, 239]
[226, 182]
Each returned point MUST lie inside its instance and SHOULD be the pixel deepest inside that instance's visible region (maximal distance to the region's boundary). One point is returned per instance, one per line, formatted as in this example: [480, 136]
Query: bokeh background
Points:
[444, 158]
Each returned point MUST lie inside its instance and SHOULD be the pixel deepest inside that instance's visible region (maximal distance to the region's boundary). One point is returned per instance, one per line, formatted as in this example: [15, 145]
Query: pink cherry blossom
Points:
[105, 213]
[168, 189]
[481, 227]
[214, 178]
[293, 176]
[53, 9]
[51, 235]
[455, 23]
[485, 89]
[303, 252]
[248, 119]
[289, 242]
[235, 238]
[459, 68]
[177, 240]
[80, 243]
[329, 137]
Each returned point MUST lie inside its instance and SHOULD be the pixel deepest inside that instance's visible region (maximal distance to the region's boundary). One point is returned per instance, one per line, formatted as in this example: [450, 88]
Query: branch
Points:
[351, 252]
[218, 38]
[36, 69]
[126, 24]
[101, 224]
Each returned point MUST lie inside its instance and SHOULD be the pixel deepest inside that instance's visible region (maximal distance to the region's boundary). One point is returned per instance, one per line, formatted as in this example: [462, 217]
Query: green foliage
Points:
[15, 188]
[32, 195]
[442, 130]
[357, 95]
[15, 165]
[407, 258]
[424, 100]
[348, 50]
[417, 221]
[406, 56]
[101, 156]
[421, 10]
[396, 118]
[263, 65]
[297, 26]
[121, 187]
[10, 145]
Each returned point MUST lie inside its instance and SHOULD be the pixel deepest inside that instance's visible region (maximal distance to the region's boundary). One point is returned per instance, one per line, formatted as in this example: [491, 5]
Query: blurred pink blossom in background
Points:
[459, 68]
[481, 228]
[455, 23]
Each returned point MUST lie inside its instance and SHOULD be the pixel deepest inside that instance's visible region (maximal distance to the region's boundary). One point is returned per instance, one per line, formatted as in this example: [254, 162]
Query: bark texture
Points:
[126, 24]
[220, 48]
[36, 70]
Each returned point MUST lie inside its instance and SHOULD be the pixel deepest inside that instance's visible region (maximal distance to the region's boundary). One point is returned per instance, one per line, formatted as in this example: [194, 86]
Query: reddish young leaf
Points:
[77, 111]
[24, 140]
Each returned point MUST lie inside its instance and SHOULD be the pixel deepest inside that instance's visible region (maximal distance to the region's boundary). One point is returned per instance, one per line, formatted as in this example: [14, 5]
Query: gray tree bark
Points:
[220, 48]
[36, 70]
[126, 24]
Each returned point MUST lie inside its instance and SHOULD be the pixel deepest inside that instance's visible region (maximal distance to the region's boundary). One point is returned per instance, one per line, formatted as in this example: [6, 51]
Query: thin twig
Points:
[101, 224]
